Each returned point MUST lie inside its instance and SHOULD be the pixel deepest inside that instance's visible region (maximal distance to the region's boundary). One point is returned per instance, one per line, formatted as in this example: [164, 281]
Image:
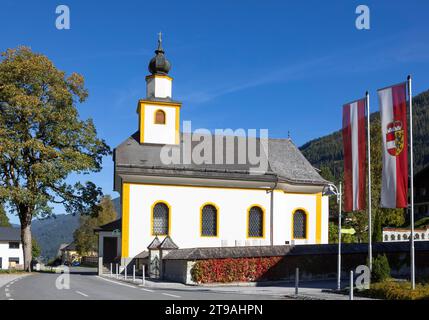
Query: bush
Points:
[394, 290]
[233, 270]
[380, 269]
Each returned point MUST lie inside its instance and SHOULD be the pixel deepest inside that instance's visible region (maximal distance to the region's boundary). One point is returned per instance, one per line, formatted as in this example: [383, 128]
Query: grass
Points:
[12, 271]
[397, 290]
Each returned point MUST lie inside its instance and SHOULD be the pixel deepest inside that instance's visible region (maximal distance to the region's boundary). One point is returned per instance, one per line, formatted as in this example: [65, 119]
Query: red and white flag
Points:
[393, 110]
[354, 144]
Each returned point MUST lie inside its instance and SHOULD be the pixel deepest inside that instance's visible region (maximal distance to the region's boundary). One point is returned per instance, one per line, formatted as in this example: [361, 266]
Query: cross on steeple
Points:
[160, 40]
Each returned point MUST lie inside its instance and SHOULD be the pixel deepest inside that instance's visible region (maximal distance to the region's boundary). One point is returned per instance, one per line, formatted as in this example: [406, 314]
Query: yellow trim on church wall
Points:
[318, 218]
[217, 220]
[141, 121]
[177, 126]
[248, 220]
[151, 76]
[169, 217]
[125, 219]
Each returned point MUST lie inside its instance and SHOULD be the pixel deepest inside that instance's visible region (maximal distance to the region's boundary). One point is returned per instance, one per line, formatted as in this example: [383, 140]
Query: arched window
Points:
[392, 237]
[209, 221]
[160, 219]
[404, 236]
[386, 237]
[299, 224]
[423, 235]
[159, 117]
[255, 226]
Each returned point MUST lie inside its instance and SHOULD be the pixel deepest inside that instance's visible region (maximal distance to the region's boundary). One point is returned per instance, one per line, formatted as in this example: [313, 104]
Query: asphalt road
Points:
[85, 285]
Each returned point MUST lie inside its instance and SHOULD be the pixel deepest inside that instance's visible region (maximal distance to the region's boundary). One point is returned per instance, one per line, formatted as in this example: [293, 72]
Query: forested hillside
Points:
[327, 151]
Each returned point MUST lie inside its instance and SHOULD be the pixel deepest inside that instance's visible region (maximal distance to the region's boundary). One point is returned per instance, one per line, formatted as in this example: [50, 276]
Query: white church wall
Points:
[159, 87]
[159, 133]
[185, 203]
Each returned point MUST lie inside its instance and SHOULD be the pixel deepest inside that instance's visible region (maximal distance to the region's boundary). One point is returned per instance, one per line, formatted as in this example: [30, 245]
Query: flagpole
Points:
[369, 188]
[413, 271]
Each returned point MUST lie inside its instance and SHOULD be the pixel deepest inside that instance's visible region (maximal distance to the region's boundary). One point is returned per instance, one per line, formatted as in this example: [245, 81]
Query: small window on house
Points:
[404, 236]
[256, 222]
[14, 260]
[159, 117]
[209, 222]
[299, 224]
[386, 238]
[160, 219]
[392, 237]
[13, 245]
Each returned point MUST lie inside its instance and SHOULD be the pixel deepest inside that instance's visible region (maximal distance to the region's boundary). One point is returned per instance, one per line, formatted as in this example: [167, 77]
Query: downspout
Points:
[272, 213]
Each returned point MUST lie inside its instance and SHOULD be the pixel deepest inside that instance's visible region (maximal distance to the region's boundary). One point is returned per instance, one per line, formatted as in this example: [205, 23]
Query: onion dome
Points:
[159, 64]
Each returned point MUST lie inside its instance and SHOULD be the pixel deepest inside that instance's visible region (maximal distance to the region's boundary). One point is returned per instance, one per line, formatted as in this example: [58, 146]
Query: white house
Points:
[225, 200]
[404, 234]
[11, 255]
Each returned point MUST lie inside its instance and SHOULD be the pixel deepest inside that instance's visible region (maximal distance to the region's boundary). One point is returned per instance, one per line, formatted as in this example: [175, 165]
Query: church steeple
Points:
[159, 114]
[159, 64]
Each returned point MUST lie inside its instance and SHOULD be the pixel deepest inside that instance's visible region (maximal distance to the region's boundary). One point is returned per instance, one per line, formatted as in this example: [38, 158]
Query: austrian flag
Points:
[393, 110]
[354, 144]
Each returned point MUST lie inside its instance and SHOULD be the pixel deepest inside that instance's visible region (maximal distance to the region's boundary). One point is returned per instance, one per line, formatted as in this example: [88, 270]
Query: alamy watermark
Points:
[224, 147]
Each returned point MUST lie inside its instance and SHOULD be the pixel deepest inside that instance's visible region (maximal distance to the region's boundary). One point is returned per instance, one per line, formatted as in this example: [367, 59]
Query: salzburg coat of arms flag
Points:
[354, 146]
[393, 110]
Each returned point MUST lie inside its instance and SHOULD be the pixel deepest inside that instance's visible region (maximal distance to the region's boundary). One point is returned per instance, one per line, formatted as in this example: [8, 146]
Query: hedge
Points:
[233, 269]
[397, 290]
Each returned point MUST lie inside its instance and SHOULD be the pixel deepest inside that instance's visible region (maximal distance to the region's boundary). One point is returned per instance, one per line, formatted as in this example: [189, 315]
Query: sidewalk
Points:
[6, 278]
[308, 291]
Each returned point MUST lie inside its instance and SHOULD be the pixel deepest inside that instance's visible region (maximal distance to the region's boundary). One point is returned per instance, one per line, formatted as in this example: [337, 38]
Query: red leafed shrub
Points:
[233, 270]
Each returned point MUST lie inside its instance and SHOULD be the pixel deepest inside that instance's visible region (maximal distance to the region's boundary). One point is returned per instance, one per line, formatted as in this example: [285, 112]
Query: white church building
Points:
[210, 203]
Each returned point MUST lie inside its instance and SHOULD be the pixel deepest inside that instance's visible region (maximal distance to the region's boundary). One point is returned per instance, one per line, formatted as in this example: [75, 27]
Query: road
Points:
[86, 285]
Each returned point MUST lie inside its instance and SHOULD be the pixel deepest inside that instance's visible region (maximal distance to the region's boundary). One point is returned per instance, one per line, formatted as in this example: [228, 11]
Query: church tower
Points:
[159, 114]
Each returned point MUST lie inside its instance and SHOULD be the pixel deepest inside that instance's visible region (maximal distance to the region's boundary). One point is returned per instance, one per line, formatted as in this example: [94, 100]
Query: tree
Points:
[84, 236]
[35, 248]
[4, 220]
[43, 141]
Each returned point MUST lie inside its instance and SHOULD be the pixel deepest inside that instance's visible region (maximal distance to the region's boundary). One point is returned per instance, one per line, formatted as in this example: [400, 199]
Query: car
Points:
[75, 263]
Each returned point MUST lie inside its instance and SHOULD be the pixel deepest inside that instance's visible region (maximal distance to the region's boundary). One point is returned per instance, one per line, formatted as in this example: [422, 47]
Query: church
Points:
[187, 203]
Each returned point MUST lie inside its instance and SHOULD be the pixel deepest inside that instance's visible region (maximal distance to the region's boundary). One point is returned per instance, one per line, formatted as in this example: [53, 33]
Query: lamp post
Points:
[329, 190]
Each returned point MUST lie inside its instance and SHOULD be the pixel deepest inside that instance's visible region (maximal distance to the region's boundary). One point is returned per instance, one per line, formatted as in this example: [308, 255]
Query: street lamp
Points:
[329, 190]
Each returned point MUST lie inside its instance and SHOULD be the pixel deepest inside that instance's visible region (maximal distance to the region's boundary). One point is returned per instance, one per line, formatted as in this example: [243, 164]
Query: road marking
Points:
[7, 295]
[148, 290]
[7, 286]
[81, 293]
[170, 295]
[118, 283]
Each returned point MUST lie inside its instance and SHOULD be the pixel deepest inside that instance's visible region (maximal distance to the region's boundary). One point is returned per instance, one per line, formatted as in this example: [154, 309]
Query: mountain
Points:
[327, 151]
[53, 231]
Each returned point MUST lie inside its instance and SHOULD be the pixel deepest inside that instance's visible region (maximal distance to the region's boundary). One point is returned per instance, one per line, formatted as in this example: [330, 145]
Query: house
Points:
[226, 199]
[404, 234]
[11, 254]
[68, 253]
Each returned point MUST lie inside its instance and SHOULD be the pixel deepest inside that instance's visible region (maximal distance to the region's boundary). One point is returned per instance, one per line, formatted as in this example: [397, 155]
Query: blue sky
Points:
[281, 65]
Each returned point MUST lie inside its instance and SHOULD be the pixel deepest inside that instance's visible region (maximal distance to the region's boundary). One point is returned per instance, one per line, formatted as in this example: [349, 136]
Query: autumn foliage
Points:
[233, 269]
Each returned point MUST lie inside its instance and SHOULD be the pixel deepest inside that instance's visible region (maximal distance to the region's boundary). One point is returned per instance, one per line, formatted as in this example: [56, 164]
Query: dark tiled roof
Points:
[10, 234]
[142, 255]
[168, 244]
[117, 224]
[154, 244]
[278, 251]
[69, 247]
[285, 161]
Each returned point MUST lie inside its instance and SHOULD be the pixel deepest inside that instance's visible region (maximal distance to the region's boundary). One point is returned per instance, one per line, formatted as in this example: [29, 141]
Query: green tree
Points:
[43, 141]
[35, 248]
[4, 220]
[84, 236]
[333, 235]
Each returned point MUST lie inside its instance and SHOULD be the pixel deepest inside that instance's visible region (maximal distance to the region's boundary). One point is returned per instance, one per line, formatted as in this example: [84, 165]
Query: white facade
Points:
[403, 235]
[159, 133]
[233, 204]
[7, 253]
[159, 86]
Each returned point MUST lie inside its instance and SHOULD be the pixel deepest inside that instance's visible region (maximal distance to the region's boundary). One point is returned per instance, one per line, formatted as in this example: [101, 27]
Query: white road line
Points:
[6, 289]
[118, 283]
[81, 293]
[170, 295]
[148, 290]
[10, 299]
[7, 295]
[7, 286]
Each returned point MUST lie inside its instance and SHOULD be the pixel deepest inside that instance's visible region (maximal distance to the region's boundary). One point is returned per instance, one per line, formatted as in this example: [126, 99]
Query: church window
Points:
[159, 117]
[160, 219]
[209, 221]
[299, 224]
[255, 226]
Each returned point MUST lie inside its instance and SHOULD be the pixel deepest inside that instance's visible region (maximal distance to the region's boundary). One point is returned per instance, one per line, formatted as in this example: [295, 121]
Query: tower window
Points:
[159, 117]
[209, 223]
[299, 224]
[160, 219]
[256, 222]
